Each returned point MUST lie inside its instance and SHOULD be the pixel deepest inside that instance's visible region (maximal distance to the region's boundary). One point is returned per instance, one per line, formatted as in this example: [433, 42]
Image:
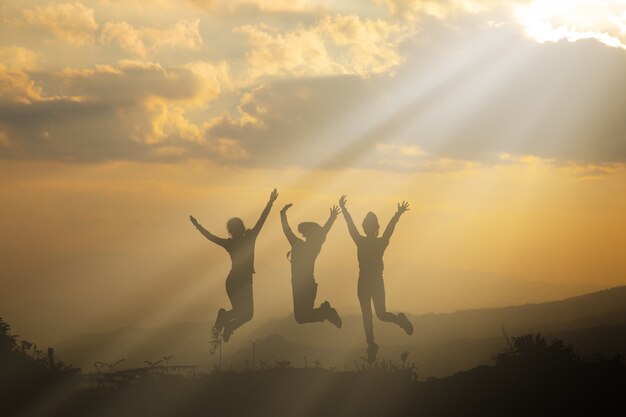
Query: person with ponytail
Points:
[303, 253]
[240, 247]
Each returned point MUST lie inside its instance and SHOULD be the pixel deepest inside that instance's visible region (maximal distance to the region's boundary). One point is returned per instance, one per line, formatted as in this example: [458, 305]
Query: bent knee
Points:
[300, 317]
[249, 315]
[246, 315]
[385, 316]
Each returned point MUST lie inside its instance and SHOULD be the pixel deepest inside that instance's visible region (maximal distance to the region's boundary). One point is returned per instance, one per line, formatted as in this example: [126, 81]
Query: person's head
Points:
[311, 230]
[235, 227]
[370, 224]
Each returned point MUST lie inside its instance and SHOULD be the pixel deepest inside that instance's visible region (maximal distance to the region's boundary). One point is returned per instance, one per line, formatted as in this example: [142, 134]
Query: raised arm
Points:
[392, 223]
[215, 239]
[354, 233]
[334, 211]
[291, 237]
[266, 211]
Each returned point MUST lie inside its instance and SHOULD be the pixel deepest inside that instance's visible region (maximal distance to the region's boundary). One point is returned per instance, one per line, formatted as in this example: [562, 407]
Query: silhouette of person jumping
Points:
[240, 247]
[303, 256]
[371, 288]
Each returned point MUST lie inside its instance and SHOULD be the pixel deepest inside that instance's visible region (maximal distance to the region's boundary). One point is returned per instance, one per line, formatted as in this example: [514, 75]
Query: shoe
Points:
[220, 321]
[334, 318]
[372, 350]
[404, 322]
[228, 332]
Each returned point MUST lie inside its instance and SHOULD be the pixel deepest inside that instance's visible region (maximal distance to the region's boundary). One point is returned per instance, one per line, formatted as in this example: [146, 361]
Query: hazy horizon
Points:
[56, 330]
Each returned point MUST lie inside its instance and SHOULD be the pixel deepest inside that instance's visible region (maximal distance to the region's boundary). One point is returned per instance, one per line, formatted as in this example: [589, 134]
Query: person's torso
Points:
[241, 251]
[370, 253]
[303, 256]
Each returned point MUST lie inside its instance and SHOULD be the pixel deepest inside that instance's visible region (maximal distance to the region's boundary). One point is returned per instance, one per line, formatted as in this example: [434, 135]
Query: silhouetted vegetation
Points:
[532, 376]
[25, 371]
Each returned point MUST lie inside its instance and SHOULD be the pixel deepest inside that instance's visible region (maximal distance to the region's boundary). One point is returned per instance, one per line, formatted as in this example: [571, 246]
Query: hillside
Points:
[442, 343]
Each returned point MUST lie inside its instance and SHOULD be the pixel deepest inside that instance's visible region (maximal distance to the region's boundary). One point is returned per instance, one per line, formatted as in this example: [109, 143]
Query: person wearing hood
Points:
[371, 287]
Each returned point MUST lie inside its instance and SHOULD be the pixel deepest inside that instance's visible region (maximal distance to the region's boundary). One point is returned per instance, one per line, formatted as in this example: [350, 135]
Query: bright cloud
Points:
[253, 79]
[334, 45]
[552, 21]
[439, 9]
[16, 84]
[262, 5]
[162, 95]
[134, 109]
[70, 22]
[145, 41]
[368, 46]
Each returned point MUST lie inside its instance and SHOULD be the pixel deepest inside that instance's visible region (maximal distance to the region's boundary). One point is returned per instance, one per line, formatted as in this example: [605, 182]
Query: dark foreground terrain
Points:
[532, 377]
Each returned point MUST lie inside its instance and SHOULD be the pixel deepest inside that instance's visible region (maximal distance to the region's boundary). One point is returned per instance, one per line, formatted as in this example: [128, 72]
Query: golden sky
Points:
[502, 123]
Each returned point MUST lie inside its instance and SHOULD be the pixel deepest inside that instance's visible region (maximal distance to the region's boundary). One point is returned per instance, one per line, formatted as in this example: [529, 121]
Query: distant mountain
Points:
[591, 309]
[442, 343]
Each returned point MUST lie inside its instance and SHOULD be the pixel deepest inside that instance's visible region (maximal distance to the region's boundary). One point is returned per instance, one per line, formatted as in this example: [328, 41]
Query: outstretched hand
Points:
[273, 195]
[402, 207]
[193, 221]
[334, 211]
[284, 209]
[342, 202]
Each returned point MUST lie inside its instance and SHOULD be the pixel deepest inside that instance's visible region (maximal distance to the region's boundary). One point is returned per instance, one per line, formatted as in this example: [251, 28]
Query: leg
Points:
[378, 296]
[231, 290]
[303, 300]
[221, 320]
[239, 291]
[225, 316]
[365, 300]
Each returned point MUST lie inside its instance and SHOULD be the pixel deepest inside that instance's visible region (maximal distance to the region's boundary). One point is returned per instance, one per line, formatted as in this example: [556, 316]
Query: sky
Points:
[501, 123]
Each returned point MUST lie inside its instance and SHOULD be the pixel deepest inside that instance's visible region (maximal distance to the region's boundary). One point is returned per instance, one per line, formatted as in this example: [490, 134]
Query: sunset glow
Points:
[501, 124]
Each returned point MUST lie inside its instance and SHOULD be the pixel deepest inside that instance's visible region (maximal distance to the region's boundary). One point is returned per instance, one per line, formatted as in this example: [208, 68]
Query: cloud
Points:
[18, 58]
[146, 41]
[301, 122]
[70, 22]
[295, 53]
[400, 150]
[214, 79]
[338, 91]
[556, 101]
[135, 110]
[439, 9]
[16, 84]
[369, 46]
[126, 36]
[231, 6]
[532, 160]
[542, 20]
[130, 80]
[332, 46]
[401, 157]
[587, 172]
[574, 20]
[584, 171]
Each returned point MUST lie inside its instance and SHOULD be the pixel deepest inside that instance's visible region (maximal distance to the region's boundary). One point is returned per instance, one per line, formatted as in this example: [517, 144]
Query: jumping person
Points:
[240, 247]
[303, 255]
[371, 288]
